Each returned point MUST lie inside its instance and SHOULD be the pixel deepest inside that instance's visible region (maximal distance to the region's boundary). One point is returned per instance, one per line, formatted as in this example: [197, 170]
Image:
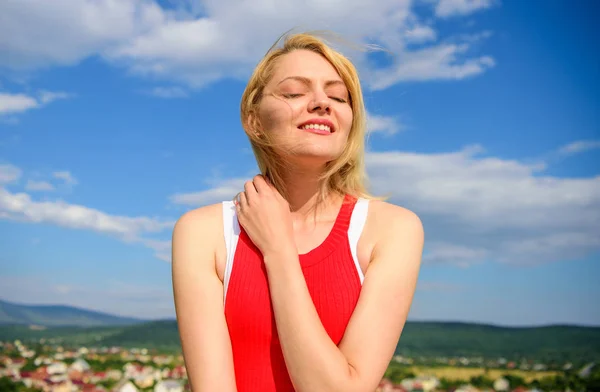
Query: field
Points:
[456, 373]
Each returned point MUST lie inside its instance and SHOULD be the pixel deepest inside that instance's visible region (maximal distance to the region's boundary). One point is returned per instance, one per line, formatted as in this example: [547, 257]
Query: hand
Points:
[265, 216]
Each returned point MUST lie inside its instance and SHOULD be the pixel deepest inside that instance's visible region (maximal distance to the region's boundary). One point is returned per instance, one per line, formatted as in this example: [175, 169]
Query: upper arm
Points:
[198, 295]
[386, 296]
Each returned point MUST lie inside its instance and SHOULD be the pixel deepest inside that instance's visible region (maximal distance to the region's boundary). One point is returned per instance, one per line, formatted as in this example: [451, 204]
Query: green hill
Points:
[428, 339]
[545, 343]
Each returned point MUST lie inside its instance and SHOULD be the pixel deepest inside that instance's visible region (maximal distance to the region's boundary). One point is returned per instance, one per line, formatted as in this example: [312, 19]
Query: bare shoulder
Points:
[398, 237]
[395, 220]
[197, 231]
[199, 220]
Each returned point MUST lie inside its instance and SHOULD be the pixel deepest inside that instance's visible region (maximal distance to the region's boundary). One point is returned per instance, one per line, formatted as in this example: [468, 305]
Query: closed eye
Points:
[341, 100]
[292, 95]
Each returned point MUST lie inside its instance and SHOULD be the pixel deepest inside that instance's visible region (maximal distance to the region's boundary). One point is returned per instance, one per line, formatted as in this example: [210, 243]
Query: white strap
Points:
[357, 224]
[231, 231]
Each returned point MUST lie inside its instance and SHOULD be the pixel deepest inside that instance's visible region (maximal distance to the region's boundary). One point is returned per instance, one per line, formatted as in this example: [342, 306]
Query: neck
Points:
[303, 192]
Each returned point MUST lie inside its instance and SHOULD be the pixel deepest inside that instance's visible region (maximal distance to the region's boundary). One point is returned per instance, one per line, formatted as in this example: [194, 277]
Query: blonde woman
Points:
[304, 281]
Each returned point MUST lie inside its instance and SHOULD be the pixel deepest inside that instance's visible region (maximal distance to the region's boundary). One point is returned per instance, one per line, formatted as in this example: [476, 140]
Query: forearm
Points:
[314, 362]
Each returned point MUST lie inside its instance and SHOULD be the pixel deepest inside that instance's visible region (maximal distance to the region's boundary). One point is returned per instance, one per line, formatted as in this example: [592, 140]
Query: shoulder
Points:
[388, 216]
[198, 231]
[395, 226]
[199, 219]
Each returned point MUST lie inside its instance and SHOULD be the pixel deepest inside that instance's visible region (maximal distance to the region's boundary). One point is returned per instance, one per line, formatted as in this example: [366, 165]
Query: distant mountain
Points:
[548, 343]
[553, 344]
[76, 327]
[162, 334]
[59, 315]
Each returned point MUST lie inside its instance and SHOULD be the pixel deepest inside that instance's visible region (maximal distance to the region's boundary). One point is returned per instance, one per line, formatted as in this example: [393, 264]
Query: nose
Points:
[320, 104]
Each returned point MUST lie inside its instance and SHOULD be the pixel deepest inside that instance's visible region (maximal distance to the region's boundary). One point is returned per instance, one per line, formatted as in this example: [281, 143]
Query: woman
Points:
[304, 281]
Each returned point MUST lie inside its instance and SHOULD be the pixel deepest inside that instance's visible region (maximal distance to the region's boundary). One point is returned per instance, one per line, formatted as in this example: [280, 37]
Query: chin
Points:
[313, 158]
[311, 153]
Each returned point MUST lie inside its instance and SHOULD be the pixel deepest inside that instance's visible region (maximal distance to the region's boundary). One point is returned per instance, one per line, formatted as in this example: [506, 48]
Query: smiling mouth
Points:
[319, 129]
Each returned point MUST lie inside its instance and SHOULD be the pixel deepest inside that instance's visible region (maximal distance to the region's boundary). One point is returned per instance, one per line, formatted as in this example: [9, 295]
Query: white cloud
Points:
[383, 124]
[22, 207]
[448, 8]
[476, 208]
[168, 92]
[38, 186]
[16, 103]
[438, 62]
[37, 33]
[579, 146]
[224, 42]
[420, 34]
[9, 173]
[50, 96]
[223, 190]
[458, 255]
[65, 176]
[162, 249]
[19, 103]
[498, 209]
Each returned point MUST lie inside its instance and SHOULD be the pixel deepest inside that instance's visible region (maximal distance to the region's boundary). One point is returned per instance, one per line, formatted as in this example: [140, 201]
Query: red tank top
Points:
[334, 282]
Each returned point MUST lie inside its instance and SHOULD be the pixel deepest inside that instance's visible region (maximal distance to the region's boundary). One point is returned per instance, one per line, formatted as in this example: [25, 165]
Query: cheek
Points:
[276, 114]
[346, 117]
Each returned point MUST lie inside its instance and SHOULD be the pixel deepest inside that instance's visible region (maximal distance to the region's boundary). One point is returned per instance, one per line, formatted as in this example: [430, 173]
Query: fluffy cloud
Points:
[222, 190]
[387, 125]
[579, 146]
[37, 33]
[438, 62]
[9, 173]
[448, 8]
[38, 186]
[420, 34]
[477, 208]
[19, 103]
[222, 39]
[65, 176]
[21, 206]
[16, 103]
[488, 208]
[168, 92]
[162, 249]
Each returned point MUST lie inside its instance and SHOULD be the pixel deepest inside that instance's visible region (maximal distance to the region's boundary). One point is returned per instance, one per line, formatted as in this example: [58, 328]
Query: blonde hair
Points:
[345, 174]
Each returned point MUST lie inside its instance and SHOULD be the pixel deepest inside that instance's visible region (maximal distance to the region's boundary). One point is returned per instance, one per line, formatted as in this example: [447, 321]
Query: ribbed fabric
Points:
[333, 283]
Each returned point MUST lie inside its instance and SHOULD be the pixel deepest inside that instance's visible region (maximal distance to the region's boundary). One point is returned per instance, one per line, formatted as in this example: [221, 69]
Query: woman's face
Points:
[305, 109]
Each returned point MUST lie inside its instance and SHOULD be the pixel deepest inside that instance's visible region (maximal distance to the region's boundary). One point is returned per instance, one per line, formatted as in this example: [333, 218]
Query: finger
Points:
[260, 184]
[250, 191]
[272, 187]
[236, 198]
[242, 200]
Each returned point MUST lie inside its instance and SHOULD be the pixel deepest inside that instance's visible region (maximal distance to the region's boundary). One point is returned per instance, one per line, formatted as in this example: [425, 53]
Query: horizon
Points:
[483, 120]
[125, 316]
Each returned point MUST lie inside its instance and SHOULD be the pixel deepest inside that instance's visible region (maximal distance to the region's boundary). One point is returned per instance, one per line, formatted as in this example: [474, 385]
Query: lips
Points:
[318, 125]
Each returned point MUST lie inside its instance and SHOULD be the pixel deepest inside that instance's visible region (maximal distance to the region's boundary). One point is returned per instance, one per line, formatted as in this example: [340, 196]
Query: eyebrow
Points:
[308, 82]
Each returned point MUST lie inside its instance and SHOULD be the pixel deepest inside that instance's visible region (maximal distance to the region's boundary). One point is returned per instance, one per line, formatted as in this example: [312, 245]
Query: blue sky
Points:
[117, 117]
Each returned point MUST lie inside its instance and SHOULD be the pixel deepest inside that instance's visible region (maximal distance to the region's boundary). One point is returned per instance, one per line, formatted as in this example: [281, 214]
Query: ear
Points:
[253, 124]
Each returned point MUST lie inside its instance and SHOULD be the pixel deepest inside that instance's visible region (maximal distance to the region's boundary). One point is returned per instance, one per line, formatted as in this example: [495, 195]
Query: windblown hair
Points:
[344, 175]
